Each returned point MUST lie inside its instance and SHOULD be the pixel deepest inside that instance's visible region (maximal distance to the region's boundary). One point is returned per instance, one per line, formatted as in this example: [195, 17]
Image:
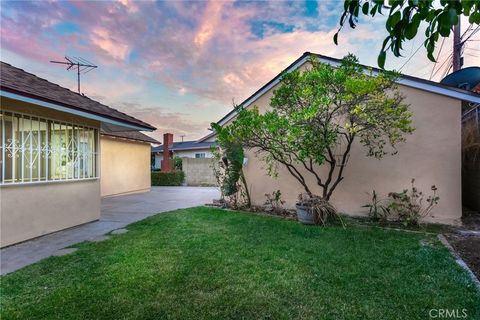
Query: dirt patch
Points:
[468, 248]
[471, 219]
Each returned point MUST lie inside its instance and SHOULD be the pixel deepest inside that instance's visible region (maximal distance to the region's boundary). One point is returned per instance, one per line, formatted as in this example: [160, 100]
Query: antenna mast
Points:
[81, 65]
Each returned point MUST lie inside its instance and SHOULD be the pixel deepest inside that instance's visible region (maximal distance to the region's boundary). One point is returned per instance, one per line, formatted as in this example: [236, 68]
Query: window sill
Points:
[34, 183]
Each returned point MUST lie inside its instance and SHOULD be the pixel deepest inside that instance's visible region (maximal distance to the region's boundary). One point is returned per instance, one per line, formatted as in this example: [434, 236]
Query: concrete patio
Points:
[117, 212]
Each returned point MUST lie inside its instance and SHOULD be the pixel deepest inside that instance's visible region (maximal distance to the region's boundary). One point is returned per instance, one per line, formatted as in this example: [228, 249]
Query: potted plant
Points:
[313, 209]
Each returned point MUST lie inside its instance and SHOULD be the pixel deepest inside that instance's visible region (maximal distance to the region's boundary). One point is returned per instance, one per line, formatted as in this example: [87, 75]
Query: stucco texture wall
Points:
[198, 172]
[431, 155]
[125, 166]
[29, 211]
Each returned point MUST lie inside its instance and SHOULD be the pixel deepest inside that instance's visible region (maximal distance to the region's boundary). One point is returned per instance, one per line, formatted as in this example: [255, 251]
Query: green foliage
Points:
[316, 115]
[274, 202]
[404, 18]
[173, 178]
[408, 205]
[230, 157]
[177, 163]
[378, 209]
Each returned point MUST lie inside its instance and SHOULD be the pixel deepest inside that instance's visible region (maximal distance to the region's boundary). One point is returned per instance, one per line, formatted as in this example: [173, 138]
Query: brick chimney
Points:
[167, 161]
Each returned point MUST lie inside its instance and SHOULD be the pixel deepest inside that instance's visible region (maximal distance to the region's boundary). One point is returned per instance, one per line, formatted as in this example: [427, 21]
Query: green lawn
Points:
[204, 263]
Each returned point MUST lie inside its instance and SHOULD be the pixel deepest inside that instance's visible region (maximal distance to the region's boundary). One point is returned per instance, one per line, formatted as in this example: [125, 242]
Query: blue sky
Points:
[178, 65]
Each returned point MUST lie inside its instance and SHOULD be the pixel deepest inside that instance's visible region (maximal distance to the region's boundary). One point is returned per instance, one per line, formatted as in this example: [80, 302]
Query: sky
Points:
[180, 65]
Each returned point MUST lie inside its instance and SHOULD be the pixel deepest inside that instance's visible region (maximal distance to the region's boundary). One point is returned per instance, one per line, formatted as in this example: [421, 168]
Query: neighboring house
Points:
[431, 155]
[184, 149]
[60, 151]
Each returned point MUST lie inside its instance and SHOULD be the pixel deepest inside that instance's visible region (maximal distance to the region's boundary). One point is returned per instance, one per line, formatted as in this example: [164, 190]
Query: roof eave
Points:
[404, 80]
[194, 148]
[111, 124]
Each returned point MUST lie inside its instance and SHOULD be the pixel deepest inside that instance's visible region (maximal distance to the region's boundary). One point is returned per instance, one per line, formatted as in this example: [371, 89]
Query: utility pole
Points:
[457, 48]
[80, 64]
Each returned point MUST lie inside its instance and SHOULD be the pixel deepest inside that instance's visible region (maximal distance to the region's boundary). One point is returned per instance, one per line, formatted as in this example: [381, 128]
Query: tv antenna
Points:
[81, 65]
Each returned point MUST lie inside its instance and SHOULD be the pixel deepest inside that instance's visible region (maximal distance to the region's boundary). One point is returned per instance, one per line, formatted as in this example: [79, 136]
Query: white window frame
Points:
[201, 155]
[93, 156]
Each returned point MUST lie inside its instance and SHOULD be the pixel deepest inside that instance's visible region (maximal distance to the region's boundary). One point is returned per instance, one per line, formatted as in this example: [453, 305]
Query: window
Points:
[200, 155]
[35, 149]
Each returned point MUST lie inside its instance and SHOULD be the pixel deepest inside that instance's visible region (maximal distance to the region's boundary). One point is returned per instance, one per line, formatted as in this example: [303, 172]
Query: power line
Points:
[447, 59]
[471, 34]
[472, 55]
[474, 49]
[436, 59]
[447, 69]
[410, 57]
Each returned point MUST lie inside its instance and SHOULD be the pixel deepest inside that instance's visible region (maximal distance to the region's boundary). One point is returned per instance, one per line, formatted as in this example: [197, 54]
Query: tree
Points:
[405, 16]
[230, 155]
[317, 114]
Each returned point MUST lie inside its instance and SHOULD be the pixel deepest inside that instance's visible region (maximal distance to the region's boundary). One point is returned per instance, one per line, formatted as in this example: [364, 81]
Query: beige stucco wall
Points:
[125, 166]
[29, 211]
[431, 155]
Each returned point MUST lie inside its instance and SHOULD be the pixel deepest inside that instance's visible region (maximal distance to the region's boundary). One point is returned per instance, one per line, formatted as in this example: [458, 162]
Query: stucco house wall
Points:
[32, 210]
[431, 155]
[125, 166]
[29, 211]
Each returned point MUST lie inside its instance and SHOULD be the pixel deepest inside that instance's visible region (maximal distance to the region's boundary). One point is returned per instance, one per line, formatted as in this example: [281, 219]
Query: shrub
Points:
[177, 163]
[228, 169]
[274, 202]
[408, 205]
[378, 209]
[173, 178]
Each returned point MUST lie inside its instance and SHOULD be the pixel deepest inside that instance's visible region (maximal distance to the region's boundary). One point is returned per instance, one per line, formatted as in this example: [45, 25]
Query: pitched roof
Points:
[407, 80]
[18, 81]
[131, 135]
[208, 136]
[186, 145]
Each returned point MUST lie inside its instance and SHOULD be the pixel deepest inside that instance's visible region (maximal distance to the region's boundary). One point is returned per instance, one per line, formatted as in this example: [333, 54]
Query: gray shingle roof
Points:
[18, 81]
[186, 145]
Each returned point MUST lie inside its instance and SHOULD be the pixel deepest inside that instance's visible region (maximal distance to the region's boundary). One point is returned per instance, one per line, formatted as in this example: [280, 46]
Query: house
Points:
[184, 149]
[60, 152]
[125, 162]
[431, 155]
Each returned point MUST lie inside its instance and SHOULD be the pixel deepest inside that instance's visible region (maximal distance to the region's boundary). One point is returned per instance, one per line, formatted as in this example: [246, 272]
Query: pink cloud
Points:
[202, 49]
[172, 122]
[103, 39]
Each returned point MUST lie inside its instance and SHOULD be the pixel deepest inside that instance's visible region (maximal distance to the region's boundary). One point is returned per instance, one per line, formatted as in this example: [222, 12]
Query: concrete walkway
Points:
[117, 212]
